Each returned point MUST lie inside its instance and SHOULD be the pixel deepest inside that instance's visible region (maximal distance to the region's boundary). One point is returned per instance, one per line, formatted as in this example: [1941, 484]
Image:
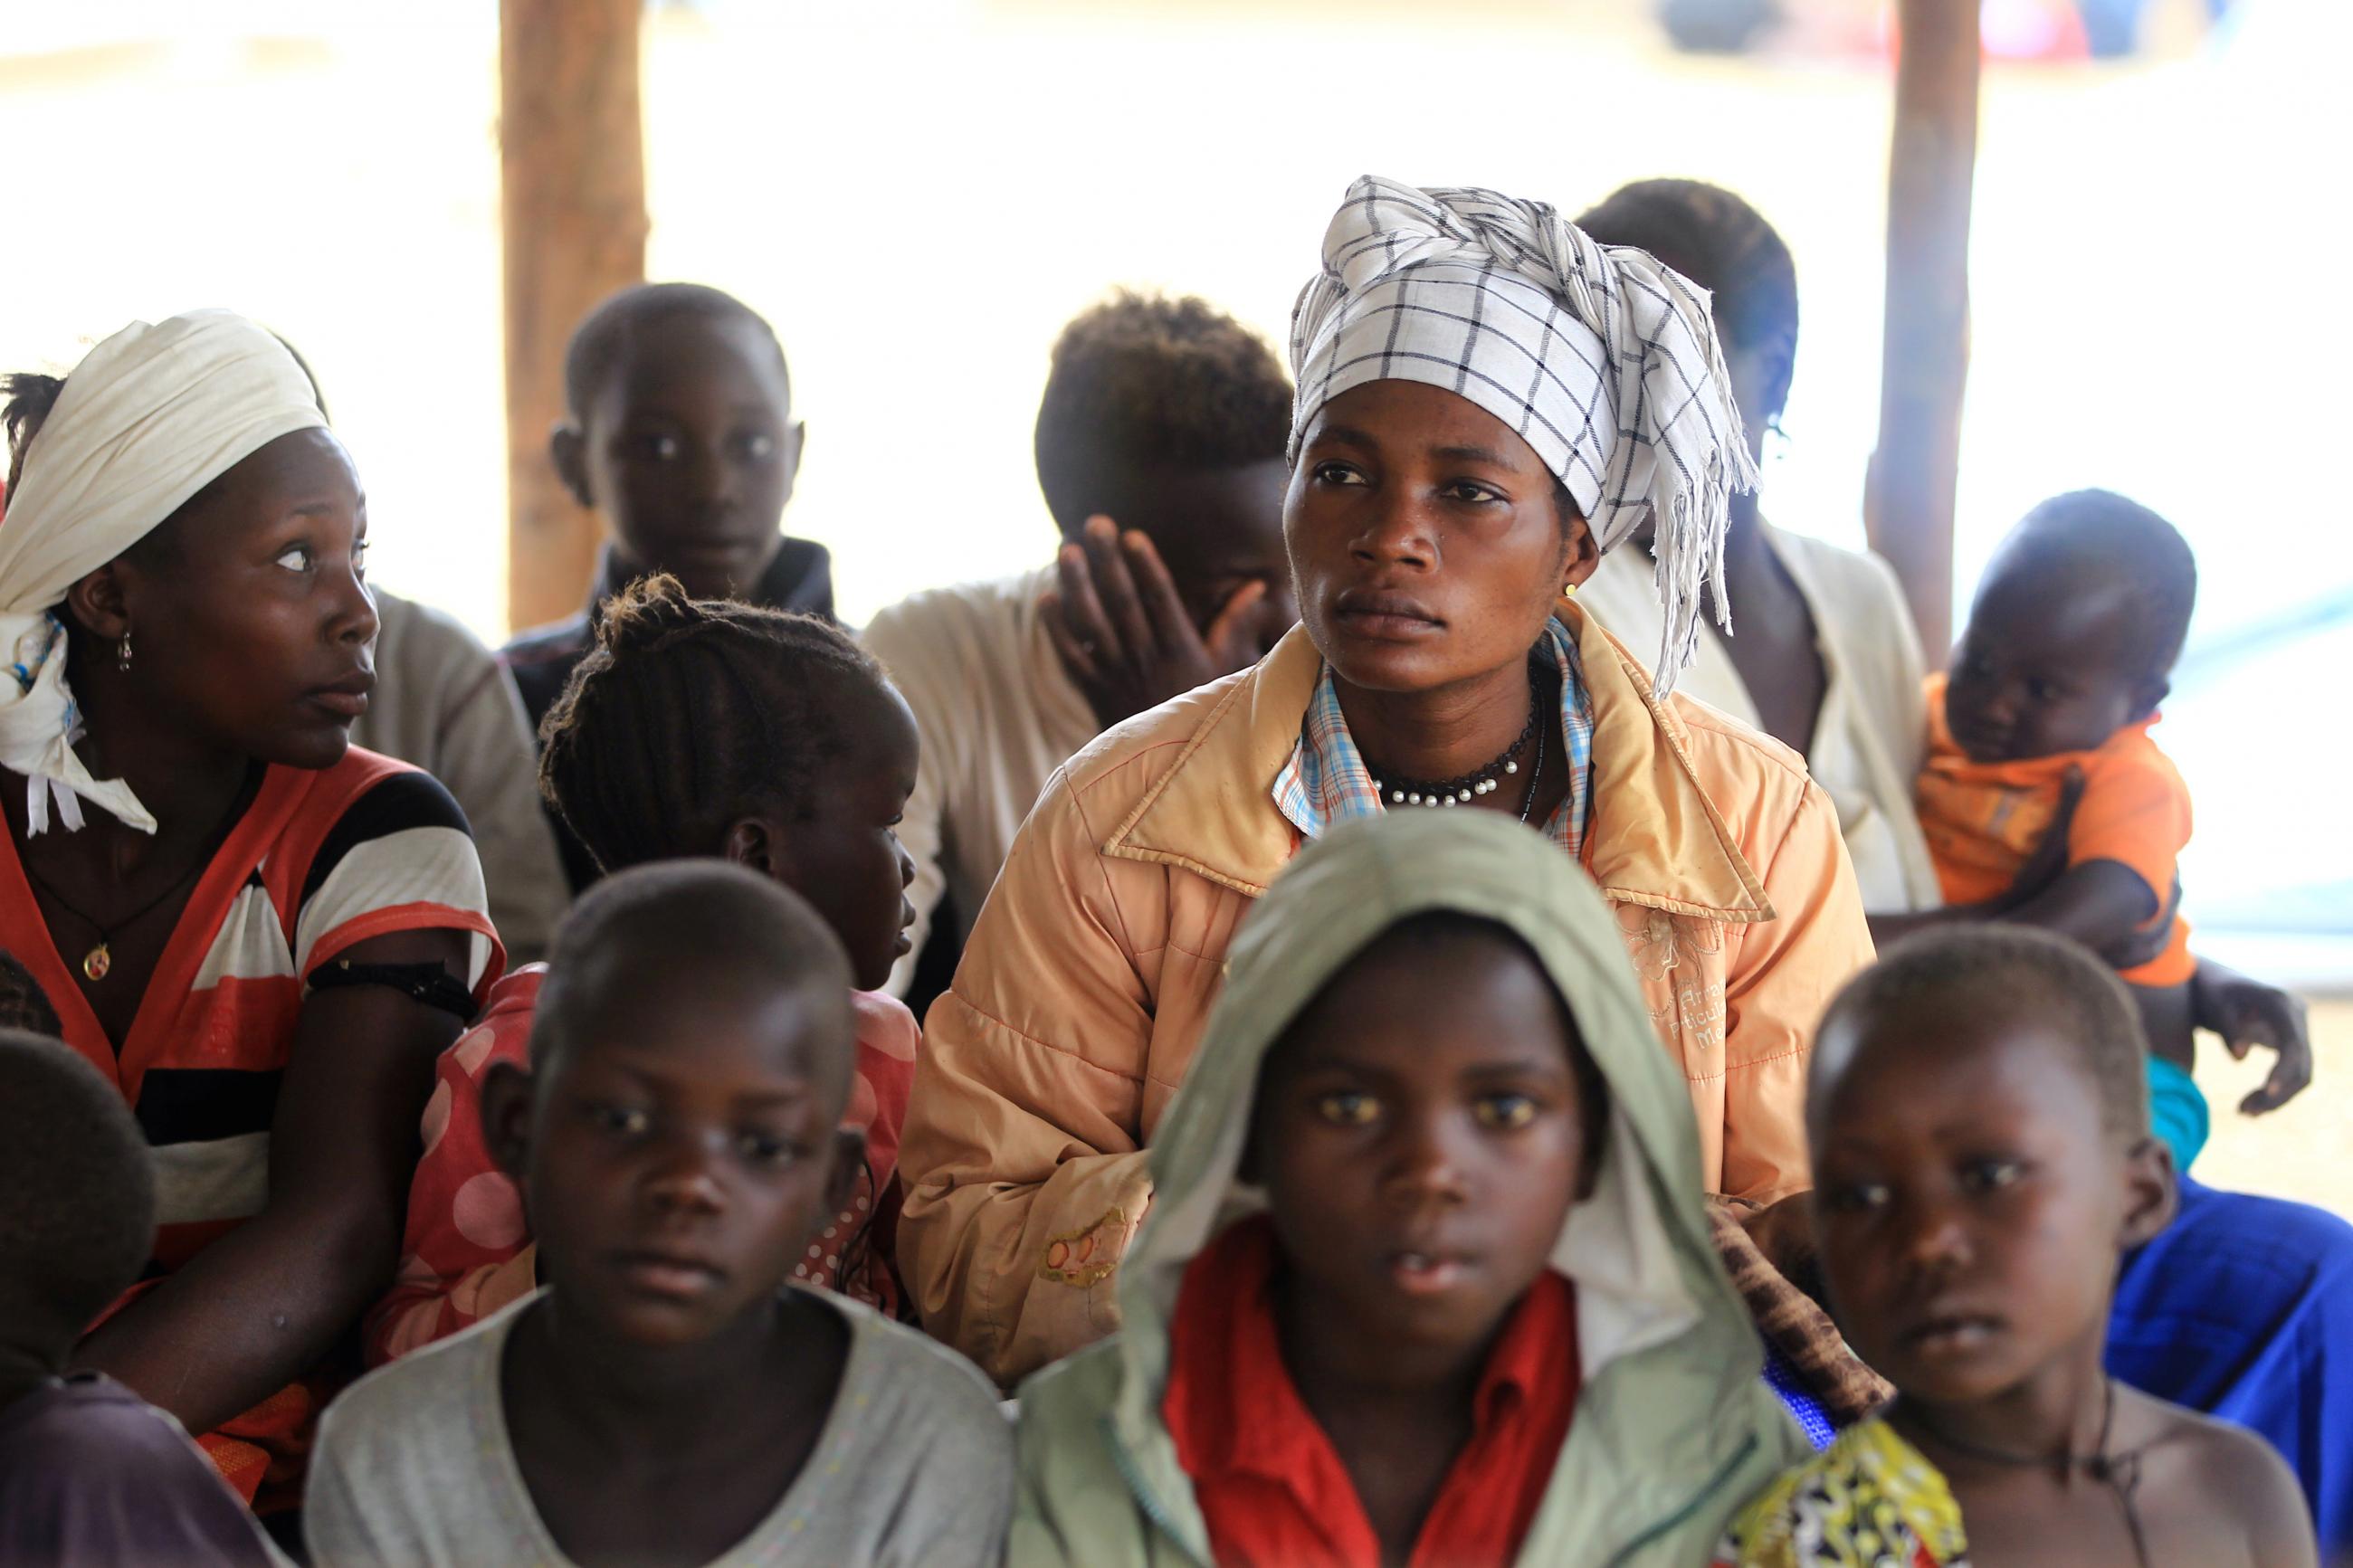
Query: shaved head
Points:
[688, 936]
[2100, 538]
[1991, 972]
[605, 335]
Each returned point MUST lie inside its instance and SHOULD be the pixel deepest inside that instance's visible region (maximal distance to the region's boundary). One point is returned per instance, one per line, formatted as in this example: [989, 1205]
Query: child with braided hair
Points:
[695, 729]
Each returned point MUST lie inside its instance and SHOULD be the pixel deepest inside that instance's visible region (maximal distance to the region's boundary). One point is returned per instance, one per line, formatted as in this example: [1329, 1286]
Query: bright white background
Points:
[919, 193]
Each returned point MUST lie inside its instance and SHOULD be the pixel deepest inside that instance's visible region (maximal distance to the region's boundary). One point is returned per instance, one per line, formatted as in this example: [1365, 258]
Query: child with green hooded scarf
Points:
[1426, 1278]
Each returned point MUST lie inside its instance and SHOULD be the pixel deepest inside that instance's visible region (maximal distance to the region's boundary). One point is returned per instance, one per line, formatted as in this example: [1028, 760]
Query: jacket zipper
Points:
[1143, 1495]
[1715, 1484]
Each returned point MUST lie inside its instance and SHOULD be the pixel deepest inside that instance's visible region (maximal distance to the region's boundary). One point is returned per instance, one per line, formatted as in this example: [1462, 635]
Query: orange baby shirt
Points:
[1983, 820]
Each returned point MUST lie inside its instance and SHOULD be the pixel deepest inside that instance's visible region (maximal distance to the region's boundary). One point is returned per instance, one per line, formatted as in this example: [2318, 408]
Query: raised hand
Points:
[2248, 1014]
[1122, 632]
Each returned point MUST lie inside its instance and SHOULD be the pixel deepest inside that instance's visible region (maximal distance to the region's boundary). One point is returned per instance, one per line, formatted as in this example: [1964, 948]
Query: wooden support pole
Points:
[573, 218]
[1926, 357]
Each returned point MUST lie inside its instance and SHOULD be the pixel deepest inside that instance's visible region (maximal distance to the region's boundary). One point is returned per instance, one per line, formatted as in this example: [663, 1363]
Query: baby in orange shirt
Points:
[2074, 631]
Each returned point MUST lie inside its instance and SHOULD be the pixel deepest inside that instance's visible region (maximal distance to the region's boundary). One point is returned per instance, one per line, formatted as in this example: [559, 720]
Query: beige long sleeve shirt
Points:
[443, 704]
[997, 714]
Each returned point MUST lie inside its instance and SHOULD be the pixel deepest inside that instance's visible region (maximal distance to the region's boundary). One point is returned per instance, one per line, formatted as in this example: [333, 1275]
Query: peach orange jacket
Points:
[1083, 990]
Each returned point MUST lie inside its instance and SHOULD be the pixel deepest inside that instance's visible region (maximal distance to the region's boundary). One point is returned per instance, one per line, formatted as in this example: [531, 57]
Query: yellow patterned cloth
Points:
[1869, 1501]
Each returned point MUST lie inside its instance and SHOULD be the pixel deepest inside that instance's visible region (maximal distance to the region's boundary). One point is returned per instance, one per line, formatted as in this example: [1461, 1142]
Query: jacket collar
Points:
[1655, 838]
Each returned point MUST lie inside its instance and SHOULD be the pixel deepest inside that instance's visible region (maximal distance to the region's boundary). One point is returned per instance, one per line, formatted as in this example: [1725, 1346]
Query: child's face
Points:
[681, 1149]
[1422, 1134]
[2045, 666]
[1969, 1206]
[845, 857]
[689, 450]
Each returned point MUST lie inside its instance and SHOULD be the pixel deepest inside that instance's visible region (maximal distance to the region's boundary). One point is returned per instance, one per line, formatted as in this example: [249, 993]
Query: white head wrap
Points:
[149, 417]
[1600, 357]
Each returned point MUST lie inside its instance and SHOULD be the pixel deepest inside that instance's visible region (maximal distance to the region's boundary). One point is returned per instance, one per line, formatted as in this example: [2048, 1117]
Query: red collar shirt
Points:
[1270, 1486]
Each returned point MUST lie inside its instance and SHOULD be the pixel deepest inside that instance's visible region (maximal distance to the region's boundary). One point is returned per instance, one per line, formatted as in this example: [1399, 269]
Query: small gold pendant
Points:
[97, 962]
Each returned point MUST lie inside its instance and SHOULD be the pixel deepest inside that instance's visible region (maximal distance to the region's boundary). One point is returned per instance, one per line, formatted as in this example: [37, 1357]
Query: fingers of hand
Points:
[2287, 1081]
[1115, 589]
[2273, 1019]
[1082, 612]
[2293, 1073]
[1230, 634]
[2294, 1048]
[1171, 624]
[1076, 656]
[1054, 610]
[2255, 1016]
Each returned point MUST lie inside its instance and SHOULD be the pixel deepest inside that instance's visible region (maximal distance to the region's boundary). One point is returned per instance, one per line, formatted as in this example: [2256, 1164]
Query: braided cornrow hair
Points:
[689, 715]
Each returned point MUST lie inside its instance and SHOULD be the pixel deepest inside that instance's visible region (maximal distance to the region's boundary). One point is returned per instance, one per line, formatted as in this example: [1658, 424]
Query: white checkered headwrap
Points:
[1603, 359]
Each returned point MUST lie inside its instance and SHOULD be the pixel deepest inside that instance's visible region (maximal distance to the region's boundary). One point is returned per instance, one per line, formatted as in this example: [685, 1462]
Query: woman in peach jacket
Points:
[1487, 401]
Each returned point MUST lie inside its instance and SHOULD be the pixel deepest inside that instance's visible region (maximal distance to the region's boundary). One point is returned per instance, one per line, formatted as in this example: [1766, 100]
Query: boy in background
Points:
[679, 436]
[1160, 449]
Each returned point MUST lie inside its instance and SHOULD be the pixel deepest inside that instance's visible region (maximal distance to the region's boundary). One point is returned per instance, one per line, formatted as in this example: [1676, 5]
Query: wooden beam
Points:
[572, 219]
[1931, 168]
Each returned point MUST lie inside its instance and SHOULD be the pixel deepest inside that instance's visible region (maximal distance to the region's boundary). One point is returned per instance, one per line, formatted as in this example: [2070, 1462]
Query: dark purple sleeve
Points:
[91, 1477]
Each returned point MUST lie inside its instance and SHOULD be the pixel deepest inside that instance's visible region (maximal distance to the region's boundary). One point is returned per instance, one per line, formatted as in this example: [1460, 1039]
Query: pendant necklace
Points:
[1393, 790]
[2120, 1473]
[100, 961]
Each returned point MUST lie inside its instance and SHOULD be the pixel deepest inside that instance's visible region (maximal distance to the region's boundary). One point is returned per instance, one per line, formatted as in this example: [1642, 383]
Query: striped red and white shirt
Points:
[319, 862]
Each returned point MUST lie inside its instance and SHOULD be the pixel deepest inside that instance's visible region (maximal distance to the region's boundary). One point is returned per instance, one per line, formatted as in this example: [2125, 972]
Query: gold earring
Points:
[1568, 590]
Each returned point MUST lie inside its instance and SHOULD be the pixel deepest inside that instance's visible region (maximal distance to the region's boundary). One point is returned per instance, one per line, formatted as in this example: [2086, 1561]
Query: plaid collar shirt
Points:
[1326, 780]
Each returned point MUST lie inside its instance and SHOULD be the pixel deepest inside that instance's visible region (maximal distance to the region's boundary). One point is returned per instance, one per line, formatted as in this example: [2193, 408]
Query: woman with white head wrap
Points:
[1486, 401]
[261, 936]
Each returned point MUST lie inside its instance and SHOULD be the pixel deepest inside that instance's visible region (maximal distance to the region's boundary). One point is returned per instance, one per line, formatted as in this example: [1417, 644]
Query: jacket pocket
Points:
[1679, 960]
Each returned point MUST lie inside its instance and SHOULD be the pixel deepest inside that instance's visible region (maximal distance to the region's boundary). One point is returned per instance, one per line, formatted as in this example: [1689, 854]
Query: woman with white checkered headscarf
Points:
[1486, 401]
[1602, 361]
